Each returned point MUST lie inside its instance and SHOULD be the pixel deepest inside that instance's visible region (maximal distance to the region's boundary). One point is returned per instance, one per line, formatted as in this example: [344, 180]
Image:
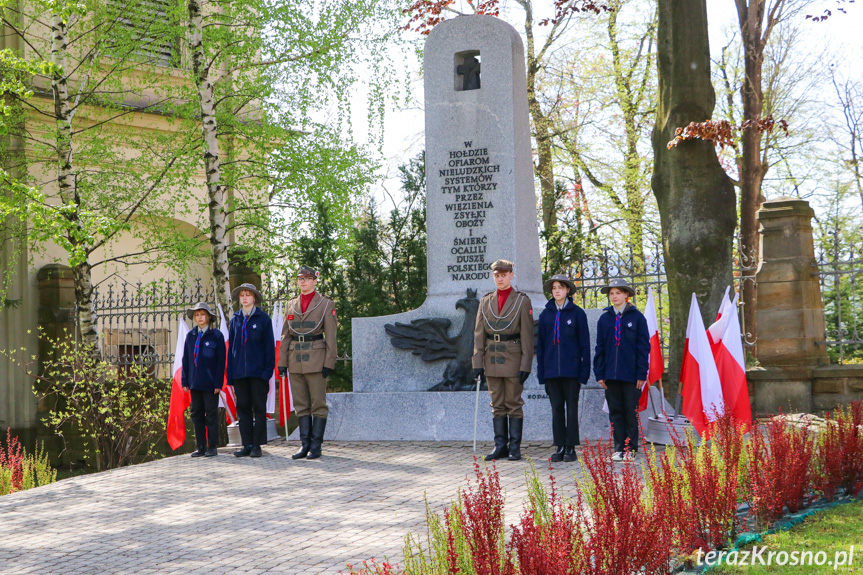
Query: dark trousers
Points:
[622, 398]
[251, 395]
[204, 412]
[563, 394]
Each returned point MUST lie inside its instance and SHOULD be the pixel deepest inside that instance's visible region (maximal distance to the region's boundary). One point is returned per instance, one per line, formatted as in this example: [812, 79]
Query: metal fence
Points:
[138, 323]
[643, 274]
[840, 271]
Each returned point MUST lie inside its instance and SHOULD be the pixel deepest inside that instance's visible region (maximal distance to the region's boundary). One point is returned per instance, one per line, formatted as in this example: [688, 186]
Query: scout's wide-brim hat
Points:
[247, 287]
[558, 278]
[190, 313]
[620, 284]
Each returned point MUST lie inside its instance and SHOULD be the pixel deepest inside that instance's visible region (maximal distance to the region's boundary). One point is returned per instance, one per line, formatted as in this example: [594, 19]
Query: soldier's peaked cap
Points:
[306, 271]
[501, 265]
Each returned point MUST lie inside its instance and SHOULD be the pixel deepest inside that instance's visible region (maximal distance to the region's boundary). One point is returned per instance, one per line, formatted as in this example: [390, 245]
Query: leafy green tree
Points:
[265, 72]
[94, 169]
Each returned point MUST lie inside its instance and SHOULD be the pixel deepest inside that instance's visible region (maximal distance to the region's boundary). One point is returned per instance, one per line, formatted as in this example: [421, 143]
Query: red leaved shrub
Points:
[711, 477]
[12, 462]
[779, 458]
[372, 567]
[482, 520]
[623, 533]
[839, 453]
[547, 539]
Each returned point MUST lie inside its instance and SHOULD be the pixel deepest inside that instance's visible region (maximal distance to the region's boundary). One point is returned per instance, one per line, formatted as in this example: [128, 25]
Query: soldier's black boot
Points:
[500, 437]
[319, 424]
[515, 424]
[305, 434]
[569, 455]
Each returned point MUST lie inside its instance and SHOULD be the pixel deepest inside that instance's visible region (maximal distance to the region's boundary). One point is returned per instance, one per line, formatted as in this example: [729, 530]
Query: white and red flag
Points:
[226, 398]
[285, 397]
[714, 332]
[277, 335]
[701, 388]
[657, 366]
[731, 367]
[180, 400]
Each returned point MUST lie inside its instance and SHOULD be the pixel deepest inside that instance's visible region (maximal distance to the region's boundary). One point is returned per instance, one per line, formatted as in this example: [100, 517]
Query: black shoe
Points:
[515, 424]
[557, 456]
[569, 455]
[305, 434]
[198, 452]
[256, 451]
[244, 452]
[212, 452]
[316, 438]
[501, 451]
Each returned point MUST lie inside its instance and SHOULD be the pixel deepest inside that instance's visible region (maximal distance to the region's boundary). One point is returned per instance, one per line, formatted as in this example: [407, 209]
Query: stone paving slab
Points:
[267, 515]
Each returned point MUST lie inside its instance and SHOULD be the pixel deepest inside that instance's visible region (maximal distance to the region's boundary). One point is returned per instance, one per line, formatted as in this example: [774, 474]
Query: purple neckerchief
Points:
[198, 345]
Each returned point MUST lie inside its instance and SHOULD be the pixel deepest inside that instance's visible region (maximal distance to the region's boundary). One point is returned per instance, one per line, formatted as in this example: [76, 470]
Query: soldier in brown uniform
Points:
[308, 353]
[503, 353]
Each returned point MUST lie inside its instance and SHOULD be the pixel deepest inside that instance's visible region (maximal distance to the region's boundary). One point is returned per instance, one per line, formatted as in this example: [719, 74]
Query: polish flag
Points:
[180, 400]
[714, 332]
[731, 367]
[284, 382]
[277, 334]
[226, 398]
[657, 368]
[699, 378]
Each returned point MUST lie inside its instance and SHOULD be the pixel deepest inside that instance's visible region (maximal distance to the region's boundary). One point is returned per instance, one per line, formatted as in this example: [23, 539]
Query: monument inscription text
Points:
[469, 184]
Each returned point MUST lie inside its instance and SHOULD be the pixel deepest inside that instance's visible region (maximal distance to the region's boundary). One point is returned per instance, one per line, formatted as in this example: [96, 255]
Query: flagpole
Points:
[476, 410]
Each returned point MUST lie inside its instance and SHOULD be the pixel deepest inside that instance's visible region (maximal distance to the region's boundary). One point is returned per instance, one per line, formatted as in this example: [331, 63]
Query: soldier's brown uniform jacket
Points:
[309, 340]
[503, 342]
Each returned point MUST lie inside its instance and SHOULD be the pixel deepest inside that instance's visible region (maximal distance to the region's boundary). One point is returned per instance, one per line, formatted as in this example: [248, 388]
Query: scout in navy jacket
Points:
[570, 356]
[209, 373]
[252, 355]
[622, 356]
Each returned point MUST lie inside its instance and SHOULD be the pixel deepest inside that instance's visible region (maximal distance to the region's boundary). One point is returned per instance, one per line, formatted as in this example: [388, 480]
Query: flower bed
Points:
[653, 518]
[19, 471]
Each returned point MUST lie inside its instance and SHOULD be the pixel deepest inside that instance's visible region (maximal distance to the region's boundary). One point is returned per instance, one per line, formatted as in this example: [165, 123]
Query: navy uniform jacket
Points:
[629, 360]
[256, 356]
[570, 357]
[209, 374]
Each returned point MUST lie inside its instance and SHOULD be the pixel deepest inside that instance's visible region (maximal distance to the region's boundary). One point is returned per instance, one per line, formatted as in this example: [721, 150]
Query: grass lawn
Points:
[833, 531]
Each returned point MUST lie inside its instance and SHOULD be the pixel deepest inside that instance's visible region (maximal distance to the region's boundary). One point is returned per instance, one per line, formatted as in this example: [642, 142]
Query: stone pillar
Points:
[790, 311]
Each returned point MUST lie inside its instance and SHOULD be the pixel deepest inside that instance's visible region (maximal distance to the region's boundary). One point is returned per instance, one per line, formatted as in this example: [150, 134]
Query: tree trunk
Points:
[544, 166]
[695, 196]
[216, 191]
[67, 184]
[750, 17]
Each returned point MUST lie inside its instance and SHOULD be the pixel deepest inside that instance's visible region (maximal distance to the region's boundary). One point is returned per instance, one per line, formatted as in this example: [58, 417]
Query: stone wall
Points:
[804, 389]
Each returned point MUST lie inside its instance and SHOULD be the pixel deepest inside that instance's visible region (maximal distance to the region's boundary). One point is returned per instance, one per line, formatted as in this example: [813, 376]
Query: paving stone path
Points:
[267, 515]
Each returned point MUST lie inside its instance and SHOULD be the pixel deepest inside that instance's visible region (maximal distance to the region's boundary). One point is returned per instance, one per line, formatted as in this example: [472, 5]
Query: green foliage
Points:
[20, 470]
[118, 413]
[377, 268]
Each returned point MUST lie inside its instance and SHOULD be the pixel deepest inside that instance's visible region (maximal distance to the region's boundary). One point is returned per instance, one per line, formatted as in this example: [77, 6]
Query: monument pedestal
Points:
[447, 416]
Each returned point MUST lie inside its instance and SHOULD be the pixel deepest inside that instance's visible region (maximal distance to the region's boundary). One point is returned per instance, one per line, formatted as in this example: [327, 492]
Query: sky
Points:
[404, 128]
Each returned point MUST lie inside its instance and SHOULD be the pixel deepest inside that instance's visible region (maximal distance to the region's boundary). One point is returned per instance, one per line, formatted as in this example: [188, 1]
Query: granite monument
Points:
[411, 371]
